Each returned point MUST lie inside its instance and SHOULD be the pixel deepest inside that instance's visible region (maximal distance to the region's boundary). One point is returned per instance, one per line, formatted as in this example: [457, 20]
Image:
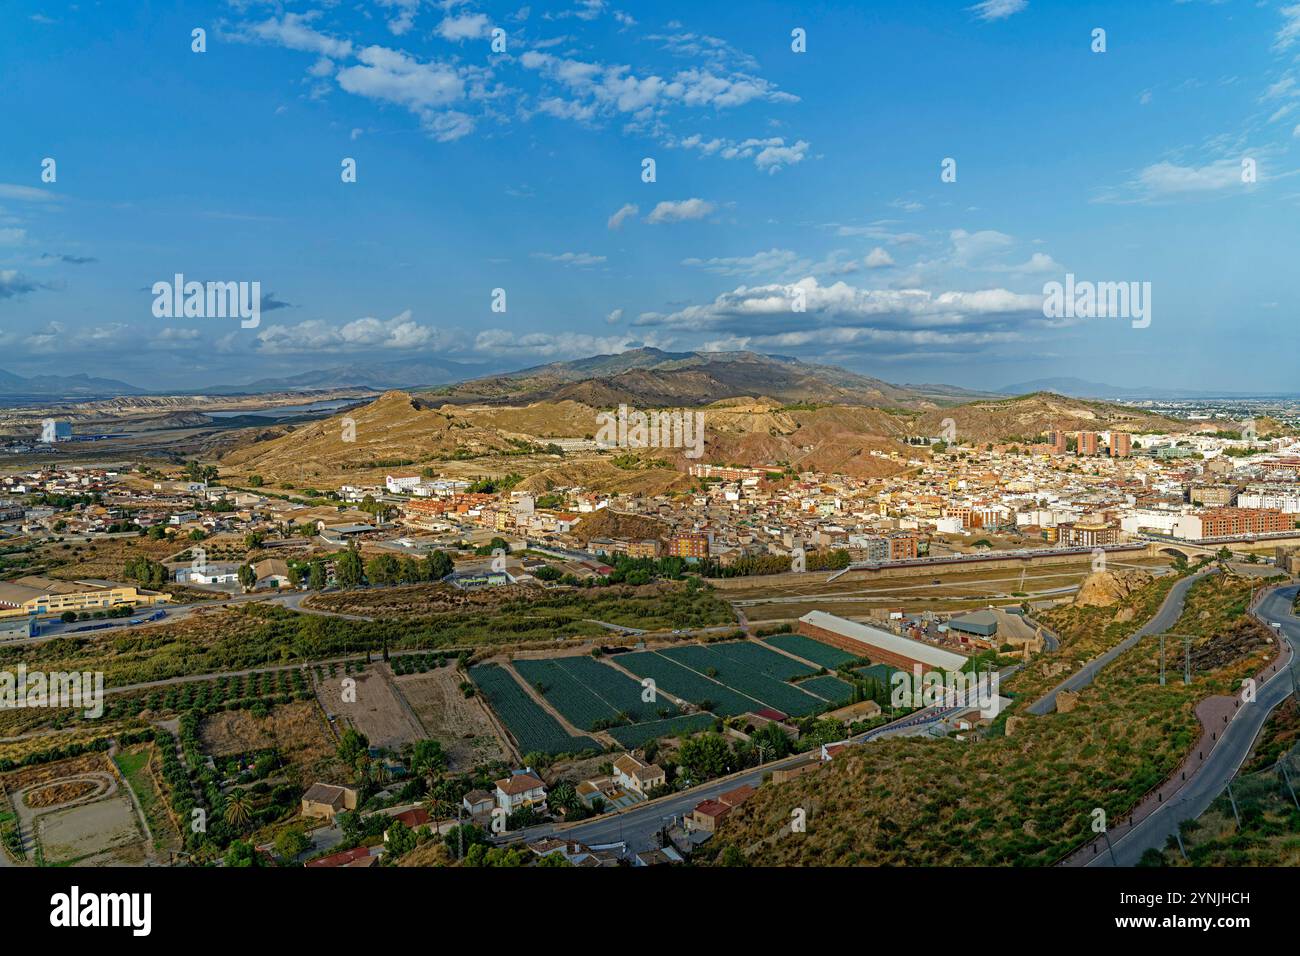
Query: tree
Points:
[242, 853]
[290, 843]
[352, 744]
[771, 742]
[383, 569]
[348, 570]
[247, 576]
[255, 481]
[704, 757]
[316, 577]
[437, 565]
[399, 839]
[238, 809]
[428, 759]
[67, 617]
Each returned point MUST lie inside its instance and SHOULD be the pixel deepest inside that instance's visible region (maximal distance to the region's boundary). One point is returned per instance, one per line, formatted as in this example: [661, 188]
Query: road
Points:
[638, 825]
[1228, 754]
[1170, 611]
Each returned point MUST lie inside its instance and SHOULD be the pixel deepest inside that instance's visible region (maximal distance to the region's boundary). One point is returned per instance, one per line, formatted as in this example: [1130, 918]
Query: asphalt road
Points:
[1228, 755]
[1165, 618]
[638, 825]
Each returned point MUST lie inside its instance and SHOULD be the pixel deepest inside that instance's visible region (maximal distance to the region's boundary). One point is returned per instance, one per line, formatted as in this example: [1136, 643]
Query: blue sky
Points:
[775, 171]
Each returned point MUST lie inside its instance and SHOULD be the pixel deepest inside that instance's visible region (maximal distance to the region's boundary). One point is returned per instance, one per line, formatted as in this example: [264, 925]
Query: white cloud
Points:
[316, 335]
[615, 316]
[998, 9]
[679, 210]
[545, 345]
[571, 258]
[1290, 31]
[293, 31]
[404, 19]
[467, 26]
[392, 76]
[625, 211]
[878, 258]
[919, 307]
[770, 262]
[1170, 178]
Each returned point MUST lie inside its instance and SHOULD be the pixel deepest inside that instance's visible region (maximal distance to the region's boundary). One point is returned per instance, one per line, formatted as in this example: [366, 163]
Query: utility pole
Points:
[1162, 660]
[1187, 660]
[1287, 777]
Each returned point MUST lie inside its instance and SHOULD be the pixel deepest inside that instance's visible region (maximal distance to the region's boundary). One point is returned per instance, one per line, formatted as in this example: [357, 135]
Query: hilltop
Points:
[1028, 416]
[650, 377]
[396, 427]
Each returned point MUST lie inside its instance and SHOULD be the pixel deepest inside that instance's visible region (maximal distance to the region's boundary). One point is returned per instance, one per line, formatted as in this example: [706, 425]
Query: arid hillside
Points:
[1029, 416]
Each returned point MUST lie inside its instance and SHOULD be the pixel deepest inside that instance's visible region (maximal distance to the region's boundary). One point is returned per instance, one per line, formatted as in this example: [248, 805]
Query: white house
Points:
[522, 788]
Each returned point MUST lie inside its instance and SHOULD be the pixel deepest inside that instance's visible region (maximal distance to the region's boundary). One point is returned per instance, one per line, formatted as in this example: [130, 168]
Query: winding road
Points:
[1228, 753]
[1170, 611]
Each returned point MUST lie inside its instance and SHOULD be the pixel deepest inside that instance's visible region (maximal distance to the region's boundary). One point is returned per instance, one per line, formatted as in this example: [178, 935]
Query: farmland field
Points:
[749, 654]
[685, 683]
[587, 692]
[747, 679]
[532, 727]
[810, 650]
[637, 734]
[832, 689]
[447, 715]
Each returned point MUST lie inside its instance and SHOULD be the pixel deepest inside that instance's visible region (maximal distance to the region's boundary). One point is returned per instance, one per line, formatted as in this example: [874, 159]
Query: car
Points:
[1275, 626]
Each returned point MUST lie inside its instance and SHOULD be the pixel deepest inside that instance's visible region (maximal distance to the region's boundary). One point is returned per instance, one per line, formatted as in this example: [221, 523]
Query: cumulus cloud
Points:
[625, 212]
[14, 284]
[467, 26]
[317, 335]
[679, 210]
[840, 314]
[878, 258]
[294, 31]
[546, 345]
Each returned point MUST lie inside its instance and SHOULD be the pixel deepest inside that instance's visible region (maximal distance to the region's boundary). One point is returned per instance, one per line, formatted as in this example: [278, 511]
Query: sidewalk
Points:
[1215, 715]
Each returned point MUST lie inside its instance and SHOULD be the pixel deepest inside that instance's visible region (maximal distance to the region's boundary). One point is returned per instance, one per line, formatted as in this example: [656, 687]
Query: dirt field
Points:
[295, 730]
[786, 597]
[460, 725]
[90, 830]
[17, 780]
[378, 712]
[56, 793]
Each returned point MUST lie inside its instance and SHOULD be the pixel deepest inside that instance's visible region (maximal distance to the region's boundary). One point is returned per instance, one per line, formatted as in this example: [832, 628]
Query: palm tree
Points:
[238, 807]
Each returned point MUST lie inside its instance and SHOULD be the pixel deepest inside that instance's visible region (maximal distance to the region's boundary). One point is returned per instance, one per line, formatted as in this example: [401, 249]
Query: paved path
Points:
[1168, 614]
[1219, 754]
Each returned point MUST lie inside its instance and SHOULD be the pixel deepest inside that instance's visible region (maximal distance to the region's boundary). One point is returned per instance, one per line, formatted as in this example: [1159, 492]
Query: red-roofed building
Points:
[734, 798]
[415, 817]
[360, 856]
[708, 815]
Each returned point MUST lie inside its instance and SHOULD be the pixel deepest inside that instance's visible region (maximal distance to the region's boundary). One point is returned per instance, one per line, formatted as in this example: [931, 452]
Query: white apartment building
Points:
[1149, 519]
[1288, 502]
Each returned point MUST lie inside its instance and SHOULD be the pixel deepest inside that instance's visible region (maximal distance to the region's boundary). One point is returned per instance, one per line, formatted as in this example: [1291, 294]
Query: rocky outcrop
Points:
[1108, 588]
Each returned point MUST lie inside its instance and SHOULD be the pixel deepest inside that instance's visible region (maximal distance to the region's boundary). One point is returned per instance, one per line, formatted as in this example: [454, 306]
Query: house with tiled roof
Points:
[522, 788]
